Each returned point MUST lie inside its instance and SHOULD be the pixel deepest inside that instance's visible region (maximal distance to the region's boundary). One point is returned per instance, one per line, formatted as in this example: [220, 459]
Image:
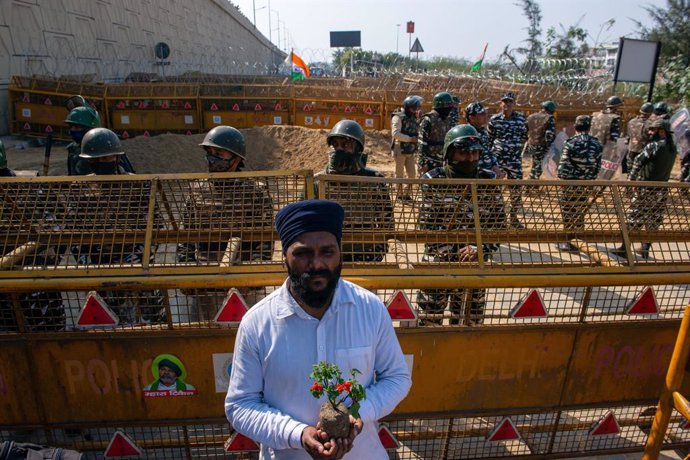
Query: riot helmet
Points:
[614, 101]
[647, 108]
[661, 108]
[412, 103]
[549, 106]
[83, 116]
[350, 129]
[464, 136]
[444, 100]
[226, 138]
[100, 142]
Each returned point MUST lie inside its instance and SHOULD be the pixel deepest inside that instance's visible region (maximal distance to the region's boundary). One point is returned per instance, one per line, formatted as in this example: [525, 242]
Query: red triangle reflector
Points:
[165, 105]
[214, 106]
[26, 126]
[125, 135]
[49, 129]
[684, 424]
[48, 101]
[26, 98]
[233, 309]
[240, 443]
[531, 307]
[278, 107]
[399, 307]
[188, 133]
[141, 105]
[96, 312]
[236, 107]
[121, 446]
[504, 431]
[387, 439]
[187, 105]
[334, 108]
[348, 109]
[258, 108]
[607, 424]
[120, 105]
[645, 304]
[146, 134]
[368, 110]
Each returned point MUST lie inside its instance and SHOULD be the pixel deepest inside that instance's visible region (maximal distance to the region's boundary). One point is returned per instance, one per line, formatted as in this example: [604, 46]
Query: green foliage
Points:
[671, 26]
[566, 43]
[328, 380]
[534, 47]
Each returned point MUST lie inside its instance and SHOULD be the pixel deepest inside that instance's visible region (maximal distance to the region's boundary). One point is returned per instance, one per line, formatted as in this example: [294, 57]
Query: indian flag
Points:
[478, 65]
[300, 71]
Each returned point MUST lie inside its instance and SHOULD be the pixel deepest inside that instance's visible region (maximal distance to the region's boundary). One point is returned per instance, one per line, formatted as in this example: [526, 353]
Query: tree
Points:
[533, 49]
[671, 26]
[566, 43]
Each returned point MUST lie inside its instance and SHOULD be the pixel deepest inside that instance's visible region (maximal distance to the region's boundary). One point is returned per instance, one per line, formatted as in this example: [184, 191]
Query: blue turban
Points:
[309, 216]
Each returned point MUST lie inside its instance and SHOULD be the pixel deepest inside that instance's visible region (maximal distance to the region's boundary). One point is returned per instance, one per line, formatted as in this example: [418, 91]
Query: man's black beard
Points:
[299, 286]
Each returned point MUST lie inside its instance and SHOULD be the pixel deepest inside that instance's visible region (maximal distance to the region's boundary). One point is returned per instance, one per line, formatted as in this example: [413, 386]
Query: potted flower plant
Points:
[334, 415]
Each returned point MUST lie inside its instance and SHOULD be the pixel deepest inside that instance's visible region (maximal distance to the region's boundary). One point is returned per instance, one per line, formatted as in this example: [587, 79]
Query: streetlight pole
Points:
[254, 9]
[270, 30]
[397, 39]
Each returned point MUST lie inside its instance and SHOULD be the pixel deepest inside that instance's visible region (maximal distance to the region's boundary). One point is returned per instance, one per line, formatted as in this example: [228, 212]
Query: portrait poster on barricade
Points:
[170, 378]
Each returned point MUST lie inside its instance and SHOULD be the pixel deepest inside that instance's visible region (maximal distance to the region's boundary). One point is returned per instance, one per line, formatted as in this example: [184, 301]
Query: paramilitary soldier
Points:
[654, 163]
[239, 204]
[541, 132]
[507, 132]
[432, 130]
[448, 208]
[104, 207]
[580, 160]
[367, 204]
[475, 114]
[606, 124]
[637, 135]
[404, 130]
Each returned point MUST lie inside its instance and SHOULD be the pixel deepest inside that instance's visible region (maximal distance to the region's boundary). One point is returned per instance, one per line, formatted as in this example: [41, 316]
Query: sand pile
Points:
[268, 148]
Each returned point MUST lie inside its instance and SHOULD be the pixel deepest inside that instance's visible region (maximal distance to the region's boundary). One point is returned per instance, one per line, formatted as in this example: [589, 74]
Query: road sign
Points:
[531, 307]
[645, 304]
[606, 425]
[416, 47]
[410, 27]
[233, 309]
[504, 431]
[399, 307]
[121, 446]
[96, 312]
[387, 439]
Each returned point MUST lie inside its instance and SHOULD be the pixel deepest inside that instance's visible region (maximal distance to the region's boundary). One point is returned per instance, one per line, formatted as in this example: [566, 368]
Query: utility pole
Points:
[254, 10]
[397, 38]
[270, 30]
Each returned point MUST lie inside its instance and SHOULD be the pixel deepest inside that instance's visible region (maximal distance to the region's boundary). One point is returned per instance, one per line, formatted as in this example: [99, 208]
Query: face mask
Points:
[463, 169]
[77, 136]
[444, 111]
[104, 168]
[217, 164]
[342, 162]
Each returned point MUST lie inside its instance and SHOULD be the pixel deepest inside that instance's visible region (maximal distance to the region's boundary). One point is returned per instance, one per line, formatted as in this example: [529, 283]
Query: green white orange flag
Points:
[478, 65]
[300, 71]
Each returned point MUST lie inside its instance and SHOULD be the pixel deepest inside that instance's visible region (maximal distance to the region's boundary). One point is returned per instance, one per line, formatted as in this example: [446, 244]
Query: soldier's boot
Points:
[644, 250]
[620, 252]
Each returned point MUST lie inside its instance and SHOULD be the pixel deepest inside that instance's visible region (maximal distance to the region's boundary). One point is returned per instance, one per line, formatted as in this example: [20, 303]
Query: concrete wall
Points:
[113, 38]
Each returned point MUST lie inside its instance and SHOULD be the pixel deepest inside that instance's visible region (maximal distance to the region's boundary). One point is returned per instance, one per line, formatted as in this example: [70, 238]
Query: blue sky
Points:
[457, 28]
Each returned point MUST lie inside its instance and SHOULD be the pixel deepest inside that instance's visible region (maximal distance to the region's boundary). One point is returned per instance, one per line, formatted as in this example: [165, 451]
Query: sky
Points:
[453, 28]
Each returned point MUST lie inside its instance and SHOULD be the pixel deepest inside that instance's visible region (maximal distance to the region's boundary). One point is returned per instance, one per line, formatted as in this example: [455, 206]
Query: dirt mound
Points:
[268, 148]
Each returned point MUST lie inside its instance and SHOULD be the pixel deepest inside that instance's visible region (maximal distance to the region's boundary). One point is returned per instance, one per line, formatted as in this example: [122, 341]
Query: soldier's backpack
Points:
[10, 450]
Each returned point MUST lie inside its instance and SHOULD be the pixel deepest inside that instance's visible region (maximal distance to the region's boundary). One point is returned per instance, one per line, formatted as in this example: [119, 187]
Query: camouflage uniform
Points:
[637, 138]
[76, 166]
[654, 163]
[541, 134]
[606, 126]
[403, 152]
[507, 137]
[449, 208]
[580, 160]
[432, 131]
[367, 207]
[488, 161]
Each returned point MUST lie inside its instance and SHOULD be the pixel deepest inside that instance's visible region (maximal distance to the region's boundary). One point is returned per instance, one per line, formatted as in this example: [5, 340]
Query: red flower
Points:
[344, 386]
[316, 387]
